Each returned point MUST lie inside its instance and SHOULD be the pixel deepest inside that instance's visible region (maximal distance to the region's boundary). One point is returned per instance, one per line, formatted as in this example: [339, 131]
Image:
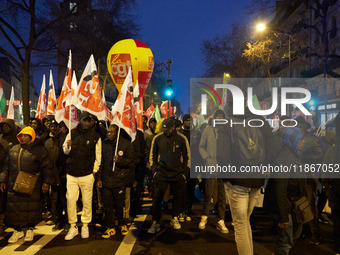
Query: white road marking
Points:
[40, 229]
[129, 241]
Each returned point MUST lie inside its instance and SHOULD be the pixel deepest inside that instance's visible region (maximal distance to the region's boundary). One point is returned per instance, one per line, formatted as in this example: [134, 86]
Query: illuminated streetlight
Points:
[155, 93]
[227, 75]
[260, 27]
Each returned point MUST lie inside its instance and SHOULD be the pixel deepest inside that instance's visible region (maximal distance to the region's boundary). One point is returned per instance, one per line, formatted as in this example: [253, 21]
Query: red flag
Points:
[123, 110]
[41, 108]
[149, 111]
[89, 94]
[63, 107]
[164, 109]
[108, 113]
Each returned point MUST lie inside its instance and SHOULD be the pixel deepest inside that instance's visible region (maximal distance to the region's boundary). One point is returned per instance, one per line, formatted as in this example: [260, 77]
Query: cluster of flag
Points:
[87, 95]
[165, 110]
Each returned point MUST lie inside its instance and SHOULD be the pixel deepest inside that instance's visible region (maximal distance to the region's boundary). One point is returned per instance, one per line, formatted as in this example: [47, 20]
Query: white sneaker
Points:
[85, 232]
[16, 236]
[155, 227]
[203, 222]
[174, 223]
[29, 235]
[221, 227]
[72, 233]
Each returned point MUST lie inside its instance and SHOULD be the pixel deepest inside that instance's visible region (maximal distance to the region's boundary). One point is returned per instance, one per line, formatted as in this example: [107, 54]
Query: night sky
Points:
[175, 29]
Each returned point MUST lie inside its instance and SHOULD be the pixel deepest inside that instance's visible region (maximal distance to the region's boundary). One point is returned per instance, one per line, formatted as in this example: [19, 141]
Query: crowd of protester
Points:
[112, 172]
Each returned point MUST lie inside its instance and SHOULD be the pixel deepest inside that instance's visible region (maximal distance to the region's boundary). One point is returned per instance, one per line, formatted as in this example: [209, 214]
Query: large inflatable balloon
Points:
[130, 53]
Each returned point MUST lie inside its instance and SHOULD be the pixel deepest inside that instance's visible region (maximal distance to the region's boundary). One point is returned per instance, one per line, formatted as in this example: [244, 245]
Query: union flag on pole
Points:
[89, 95]
[108, 113]
[41, 108]
[149, 111]
[164, 109]
[123, 109]
[10, 112]
[52, 100]
[138, 107]
[62, 111]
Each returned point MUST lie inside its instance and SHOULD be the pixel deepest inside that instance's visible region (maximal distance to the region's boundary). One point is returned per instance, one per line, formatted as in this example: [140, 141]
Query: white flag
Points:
[10, 112]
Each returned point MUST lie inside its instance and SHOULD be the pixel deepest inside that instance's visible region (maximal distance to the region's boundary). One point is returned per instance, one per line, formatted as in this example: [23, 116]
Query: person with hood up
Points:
[170, 163]
[8, 138]
[24, 210]
[280, 192]
[208, 151]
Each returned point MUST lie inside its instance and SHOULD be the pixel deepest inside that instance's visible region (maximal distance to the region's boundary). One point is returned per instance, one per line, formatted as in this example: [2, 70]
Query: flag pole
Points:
[121, 116]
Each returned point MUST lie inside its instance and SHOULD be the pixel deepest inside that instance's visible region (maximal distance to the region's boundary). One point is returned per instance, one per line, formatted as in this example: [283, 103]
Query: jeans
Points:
[286, 237]
[336, 229]
[242, 202]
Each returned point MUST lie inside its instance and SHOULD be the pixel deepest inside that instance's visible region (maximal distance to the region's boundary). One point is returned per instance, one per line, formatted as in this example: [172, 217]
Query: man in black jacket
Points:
[113, 181]
[170, 162]
[83, 163]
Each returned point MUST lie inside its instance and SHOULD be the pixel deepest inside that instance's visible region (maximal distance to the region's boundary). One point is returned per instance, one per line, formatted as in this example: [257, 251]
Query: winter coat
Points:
[280, 191]
[54, 146]
[332, 186]
[85, 152]
[170, 155]
[121, 176]
[22, 209]
[207, 146]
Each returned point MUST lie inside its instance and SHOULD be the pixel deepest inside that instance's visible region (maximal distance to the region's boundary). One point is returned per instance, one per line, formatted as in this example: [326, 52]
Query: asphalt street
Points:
[188, 240]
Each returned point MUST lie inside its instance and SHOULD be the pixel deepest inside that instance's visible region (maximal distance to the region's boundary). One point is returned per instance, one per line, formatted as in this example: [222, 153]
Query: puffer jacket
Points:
[124, 168]
[22, 209]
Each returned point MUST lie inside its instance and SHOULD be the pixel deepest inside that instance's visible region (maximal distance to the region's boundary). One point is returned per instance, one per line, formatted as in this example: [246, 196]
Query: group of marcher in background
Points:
[112, 178]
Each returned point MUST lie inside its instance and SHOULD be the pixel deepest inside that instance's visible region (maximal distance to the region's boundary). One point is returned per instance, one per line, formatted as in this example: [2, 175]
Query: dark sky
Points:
[175, 29]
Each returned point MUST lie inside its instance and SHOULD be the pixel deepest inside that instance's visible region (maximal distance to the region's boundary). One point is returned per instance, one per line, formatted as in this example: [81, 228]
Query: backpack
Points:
[247, 145]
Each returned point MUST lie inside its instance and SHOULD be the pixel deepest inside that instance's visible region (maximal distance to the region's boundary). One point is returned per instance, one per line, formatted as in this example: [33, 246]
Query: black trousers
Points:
[59, 196]
[114, 203]
[161, 182]
[336, 229]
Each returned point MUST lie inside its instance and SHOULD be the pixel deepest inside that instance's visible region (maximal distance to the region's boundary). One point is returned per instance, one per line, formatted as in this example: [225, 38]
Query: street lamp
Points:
[169, 91]
[262, 27]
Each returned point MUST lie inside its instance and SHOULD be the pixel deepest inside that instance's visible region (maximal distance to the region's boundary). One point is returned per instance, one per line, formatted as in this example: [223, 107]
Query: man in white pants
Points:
[84, 150]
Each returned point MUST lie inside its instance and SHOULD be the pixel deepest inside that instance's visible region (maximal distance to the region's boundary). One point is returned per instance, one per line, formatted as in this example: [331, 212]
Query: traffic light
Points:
[313, 102]
[168, 89]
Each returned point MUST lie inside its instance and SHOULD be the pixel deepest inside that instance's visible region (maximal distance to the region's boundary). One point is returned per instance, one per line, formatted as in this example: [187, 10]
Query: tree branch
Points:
[9, 55]
[12, 43]
[13, 31]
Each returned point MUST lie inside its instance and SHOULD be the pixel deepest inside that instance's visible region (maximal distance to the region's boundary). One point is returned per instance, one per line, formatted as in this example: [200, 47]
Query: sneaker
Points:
[221, 227]
[16, 236]
[203, 222]
[155, 227]
[109, 232]
[188, 217]
[124, 230]
[50, 222]
[181, 217]
[174, 223]
[72, 233]
[85, 232]
[29, 235]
